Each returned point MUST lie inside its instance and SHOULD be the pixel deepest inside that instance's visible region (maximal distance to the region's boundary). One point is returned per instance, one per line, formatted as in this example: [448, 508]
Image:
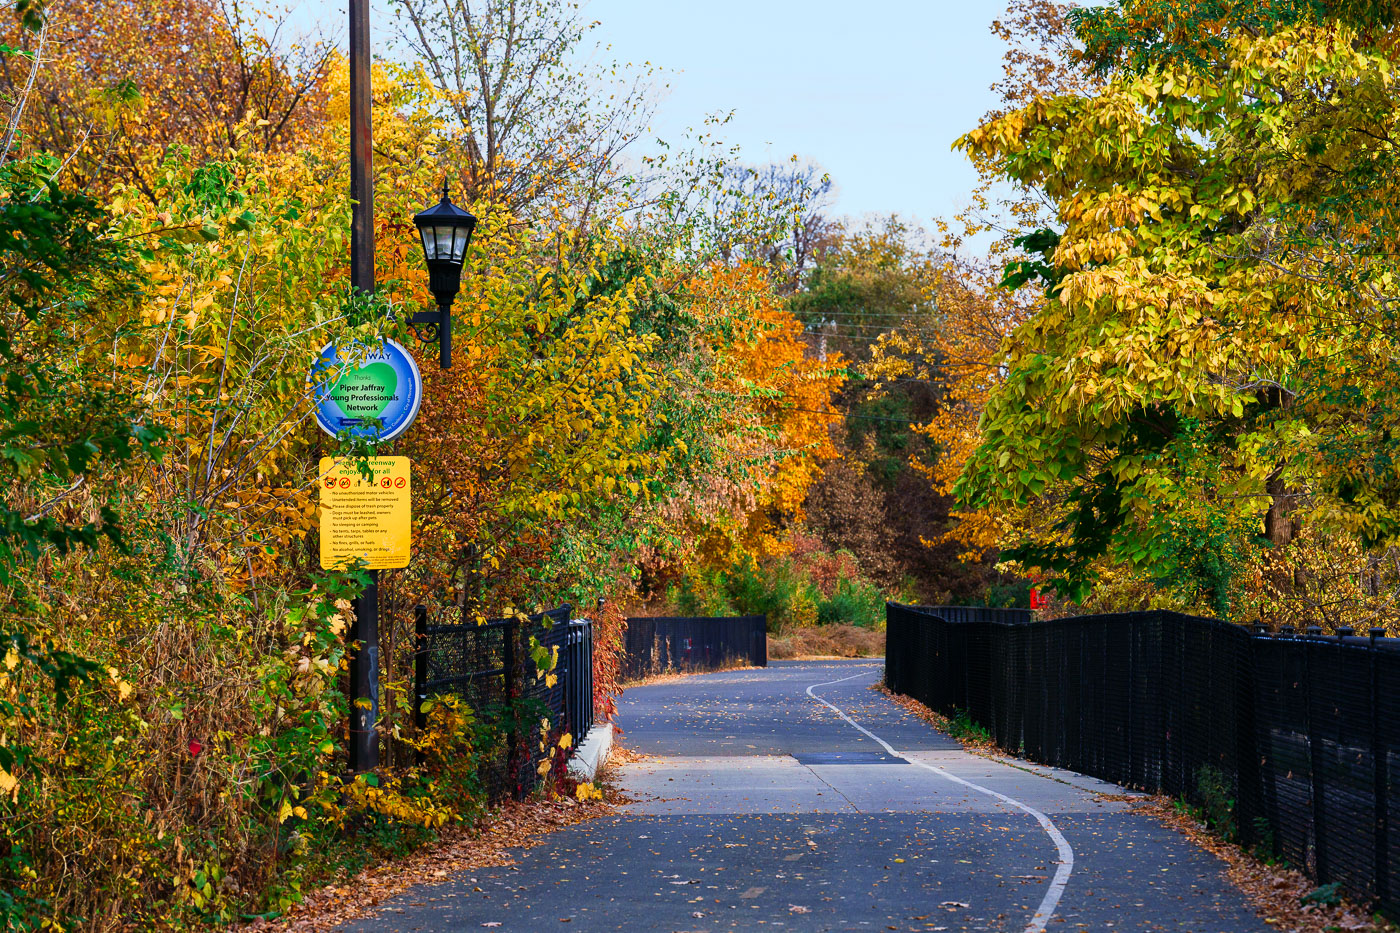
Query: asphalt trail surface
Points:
[762, 805]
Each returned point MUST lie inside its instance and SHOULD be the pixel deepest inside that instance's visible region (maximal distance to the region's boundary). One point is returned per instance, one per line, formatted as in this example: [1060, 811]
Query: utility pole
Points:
[364, 637]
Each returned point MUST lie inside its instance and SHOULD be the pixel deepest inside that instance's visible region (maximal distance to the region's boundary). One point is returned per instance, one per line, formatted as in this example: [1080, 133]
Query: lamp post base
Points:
[363, 744]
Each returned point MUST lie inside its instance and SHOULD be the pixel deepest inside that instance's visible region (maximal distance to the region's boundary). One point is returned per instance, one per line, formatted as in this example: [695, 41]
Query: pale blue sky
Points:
[875, 91]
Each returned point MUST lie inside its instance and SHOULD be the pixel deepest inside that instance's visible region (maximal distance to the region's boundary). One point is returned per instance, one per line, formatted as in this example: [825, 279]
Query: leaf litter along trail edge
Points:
[494, 841]
[1065, 865]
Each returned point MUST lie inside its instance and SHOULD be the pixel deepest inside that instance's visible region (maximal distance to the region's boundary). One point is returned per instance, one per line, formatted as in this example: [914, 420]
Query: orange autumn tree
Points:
[160, 77]
[779, 435]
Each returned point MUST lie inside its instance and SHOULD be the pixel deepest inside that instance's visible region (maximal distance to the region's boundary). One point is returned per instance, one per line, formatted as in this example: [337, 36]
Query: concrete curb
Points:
[592, 753]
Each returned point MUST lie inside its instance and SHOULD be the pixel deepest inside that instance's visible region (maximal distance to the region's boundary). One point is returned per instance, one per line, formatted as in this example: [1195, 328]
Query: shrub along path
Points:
[760, 802]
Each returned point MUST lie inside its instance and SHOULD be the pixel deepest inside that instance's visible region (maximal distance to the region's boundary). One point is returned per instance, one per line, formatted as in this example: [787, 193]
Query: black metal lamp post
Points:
[446, 230]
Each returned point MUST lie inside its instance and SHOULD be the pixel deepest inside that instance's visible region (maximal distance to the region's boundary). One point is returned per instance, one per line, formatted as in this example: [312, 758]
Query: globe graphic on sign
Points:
[368, 392]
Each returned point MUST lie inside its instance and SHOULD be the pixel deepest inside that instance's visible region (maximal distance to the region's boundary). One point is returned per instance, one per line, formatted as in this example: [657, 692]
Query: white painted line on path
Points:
[1051, 900]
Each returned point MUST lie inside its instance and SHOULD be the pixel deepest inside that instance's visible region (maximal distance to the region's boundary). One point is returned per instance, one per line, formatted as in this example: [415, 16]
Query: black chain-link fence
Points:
[492, 667]
[1290, 742]
[660, 644]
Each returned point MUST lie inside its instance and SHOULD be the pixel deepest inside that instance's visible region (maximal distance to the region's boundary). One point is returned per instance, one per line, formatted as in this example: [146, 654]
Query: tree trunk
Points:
[1278, 526]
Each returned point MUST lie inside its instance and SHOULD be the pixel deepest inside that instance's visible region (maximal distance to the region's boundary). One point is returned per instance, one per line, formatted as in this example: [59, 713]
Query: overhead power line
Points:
[847, 414]
[878, 331]
[805, 315]
[859, 338]
[835, 413]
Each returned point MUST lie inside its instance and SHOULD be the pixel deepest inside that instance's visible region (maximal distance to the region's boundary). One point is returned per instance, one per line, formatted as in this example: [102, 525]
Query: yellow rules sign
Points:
[365, 519]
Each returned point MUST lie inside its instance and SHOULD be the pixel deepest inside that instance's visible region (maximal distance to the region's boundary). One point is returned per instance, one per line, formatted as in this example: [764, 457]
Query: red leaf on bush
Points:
[195, 748]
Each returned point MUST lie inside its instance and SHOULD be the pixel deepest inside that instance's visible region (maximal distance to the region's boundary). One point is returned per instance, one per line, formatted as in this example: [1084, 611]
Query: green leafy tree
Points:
[1210, 372]
[64, 423]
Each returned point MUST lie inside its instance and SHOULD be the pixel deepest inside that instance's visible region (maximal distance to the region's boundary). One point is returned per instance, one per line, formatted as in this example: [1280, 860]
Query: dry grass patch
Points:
[826, 641]
[672, 674]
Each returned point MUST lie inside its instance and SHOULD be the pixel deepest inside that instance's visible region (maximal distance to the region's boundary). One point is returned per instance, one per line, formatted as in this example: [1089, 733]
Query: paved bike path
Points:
[760, 806]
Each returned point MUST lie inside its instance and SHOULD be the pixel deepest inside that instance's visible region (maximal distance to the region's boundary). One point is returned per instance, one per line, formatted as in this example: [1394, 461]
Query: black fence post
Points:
[557, 637]
[1314, 778]
[1184, 779]
[570, 680]
[512, 695]
[420, 675]
[1246, 741]
[420, 665]
[1380, 766]
[580, 678]
[586, 681]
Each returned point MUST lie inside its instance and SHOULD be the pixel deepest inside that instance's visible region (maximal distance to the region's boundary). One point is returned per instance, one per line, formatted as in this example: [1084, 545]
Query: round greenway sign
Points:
[370, 392]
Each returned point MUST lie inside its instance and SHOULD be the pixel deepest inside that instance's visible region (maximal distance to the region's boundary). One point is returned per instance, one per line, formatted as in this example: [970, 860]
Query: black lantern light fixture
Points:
[446, 230]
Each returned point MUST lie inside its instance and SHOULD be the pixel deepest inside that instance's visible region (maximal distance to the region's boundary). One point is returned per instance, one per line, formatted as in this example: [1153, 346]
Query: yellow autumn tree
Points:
[1203, 398]
[203, 747]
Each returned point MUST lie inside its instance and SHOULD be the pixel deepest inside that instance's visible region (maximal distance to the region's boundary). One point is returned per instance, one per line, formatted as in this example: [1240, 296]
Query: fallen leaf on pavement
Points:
[459, 850]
